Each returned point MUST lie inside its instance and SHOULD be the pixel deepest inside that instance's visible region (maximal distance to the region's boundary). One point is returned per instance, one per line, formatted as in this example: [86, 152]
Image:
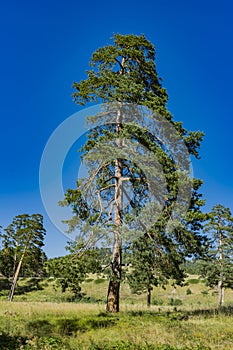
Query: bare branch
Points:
[89, 182]
[111, 178]
[105, 188]
[109, 202]
[125, 179]
[121, 64]
[110, 212]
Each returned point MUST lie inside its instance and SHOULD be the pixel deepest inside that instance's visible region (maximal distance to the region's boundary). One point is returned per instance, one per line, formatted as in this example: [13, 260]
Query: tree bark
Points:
[114, 283]
[149, 297]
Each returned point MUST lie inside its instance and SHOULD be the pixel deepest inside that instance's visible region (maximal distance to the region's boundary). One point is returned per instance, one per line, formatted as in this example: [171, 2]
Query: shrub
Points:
[45, 343]
[100, 280]
[157, 302]
[175, 302]
[8, 342]
[89, 280]
[130, 346]
[194, 281]
[204, 292]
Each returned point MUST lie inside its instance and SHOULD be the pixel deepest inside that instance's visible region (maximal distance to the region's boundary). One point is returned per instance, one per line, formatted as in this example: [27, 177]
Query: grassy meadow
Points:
[42, 317]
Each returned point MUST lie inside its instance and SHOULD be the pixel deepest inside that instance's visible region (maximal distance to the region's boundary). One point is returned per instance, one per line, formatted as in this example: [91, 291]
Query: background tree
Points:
[143, 273]
[71, 270]
[191, 266]
[25, 234]
[34, 260]
[6, 256]
[125, 72]
[7, 261]
[218, 267]
[159, 258]
[34, 263]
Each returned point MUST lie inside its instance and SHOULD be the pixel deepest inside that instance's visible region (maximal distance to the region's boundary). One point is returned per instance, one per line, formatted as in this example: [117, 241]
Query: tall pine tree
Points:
[124, 75]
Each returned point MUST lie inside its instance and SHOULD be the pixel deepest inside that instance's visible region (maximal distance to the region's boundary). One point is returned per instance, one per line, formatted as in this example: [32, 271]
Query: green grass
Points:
[41, 319]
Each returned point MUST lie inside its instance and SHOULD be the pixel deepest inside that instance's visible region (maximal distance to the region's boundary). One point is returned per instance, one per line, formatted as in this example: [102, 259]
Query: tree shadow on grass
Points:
[139, 313]
[11, 342]
[39, 328]
[67, 326]
[84, 298]
[224, 310]
[181, 315]
[204, 313]
[101, 323]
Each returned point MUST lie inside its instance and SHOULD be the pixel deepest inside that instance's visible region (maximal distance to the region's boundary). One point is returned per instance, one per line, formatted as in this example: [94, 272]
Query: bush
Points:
[45, 343]
[100, 280]
[194, 281]
[175, 302]
[130, 346]
[89, 280]
[157, 302]
[204, 292]
[188, 291]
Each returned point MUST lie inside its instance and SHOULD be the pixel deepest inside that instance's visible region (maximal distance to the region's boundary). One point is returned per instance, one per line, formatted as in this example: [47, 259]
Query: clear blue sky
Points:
[46, 45]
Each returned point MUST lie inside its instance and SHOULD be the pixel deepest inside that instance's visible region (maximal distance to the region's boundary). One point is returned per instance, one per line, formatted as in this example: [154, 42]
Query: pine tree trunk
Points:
[220, 287]
[220, 293]
[16, 275]
[115, 279]
[149, 297]
[114, 283]
[15, 278]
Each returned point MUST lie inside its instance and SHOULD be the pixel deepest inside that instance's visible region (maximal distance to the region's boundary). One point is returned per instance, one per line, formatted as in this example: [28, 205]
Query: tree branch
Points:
[89, 182]
[104, 188]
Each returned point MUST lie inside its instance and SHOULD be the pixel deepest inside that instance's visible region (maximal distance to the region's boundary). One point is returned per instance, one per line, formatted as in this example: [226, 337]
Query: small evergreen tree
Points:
[143, 272]
[218, 267]
[160, 255]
